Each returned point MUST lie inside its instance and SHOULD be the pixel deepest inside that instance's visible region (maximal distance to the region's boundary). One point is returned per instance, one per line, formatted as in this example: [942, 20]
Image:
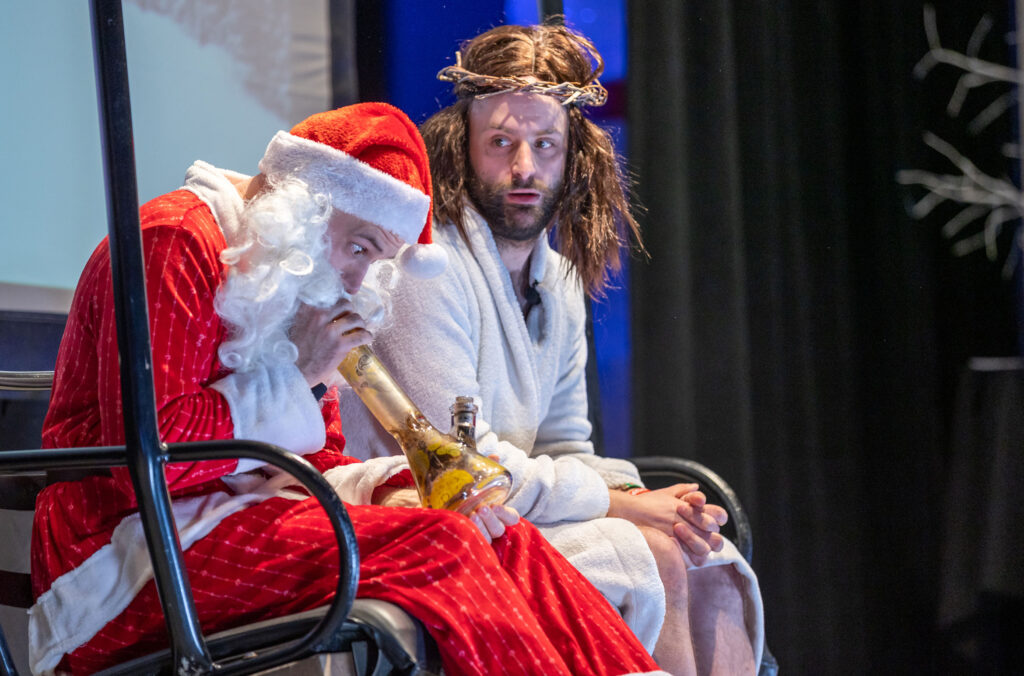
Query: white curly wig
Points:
[278, 260]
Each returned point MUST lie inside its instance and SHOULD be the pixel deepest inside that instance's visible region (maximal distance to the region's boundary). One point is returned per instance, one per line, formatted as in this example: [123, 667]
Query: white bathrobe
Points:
[463, 334]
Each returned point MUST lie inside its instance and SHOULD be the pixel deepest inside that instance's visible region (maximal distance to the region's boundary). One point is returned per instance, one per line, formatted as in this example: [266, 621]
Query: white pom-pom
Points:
[423, 261]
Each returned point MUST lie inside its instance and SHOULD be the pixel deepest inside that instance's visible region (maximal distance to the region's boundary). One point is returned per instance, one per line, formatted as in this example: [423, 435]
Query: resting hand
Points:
[680, 511]
[492, 520]
[398, 497]
[324, 337]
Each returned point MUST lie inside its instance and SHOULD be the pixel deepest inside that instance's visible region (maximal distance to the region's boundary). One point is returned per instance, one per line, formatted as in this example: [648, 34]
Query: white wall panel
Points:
[210, 79]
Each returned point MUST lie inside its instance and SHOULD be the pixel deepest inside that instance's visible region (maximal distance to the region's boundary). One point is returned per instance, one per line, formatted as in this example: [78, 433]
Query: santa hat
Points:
[371, 159]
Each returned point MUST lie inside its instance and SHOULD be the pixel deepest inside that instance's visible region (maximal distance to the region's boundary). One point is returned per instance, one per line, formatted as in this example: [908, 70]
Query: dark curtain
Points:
[794, 328]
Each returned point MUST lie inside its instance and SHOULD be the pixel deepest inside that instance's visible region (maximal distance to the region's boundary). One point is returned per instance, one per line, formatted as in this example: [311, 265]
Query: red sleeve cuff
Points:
[401, 480]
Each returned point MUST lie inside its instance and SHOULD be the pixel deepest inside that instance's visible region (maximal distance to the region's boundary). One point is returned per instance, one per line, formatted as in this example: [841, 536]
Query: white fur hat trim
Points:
[356, 188]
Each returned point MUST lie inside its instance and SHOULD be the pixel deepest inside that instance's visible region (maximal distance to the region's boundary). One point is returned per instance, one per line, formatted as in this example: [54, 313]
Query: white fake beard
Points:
[280, 259]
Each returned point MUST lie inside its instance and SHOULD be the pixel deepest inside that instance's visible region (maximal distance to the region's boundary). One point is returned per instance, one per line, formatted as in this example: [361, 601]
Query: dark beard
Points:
[512, 222]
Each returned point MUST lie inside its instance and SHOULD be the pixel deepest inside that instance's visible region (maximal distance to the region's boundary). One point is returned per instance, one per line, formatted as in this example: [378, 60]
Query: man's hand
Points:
[700, 526]
[398, 497]
[324, 337]
[492, 520]
[680, 511]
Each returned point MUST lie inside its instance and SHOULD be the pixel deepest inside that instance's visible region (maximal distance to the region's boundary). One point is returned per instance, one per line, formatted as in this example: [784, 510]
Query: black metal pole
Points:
[7, 665]
[146, 455]
[549, 8]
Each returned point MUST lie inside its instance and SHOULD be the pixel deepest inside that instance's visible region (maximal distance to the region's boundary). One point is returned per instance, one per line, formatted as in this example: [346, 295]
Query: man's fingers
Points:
[356, 336]
[347, 321]
[699, 501]
[347, 314]
[492, 520]
[478, 522]
[495, 527]
[695, 560]
[691, 541]
[507, 515]
[698, 543]
[695, 498]
[718, 514]
[680, 490]
[698, 518]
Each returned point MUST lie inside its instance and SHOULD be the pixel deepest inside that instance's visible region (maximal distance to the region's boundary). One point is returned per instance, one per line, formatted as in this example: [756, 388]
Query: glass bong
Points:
[448, 471]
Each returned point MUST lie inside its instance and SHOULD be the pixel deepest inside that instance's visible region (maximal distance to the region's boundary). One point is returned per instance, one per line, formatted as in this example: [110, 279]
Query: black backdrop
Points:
[812, 330]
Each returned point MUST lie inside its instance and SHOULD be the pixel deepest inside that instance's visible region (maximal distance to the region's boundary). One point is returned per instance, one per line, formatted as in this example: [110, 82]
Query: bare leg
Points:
[721, 642]
[674, 650]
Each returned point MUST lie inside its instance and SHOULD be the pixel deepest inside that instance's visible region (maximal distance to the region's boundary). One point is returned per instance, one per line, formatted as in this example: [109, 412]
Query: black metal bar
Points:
[142, 438]
[321, 638]
[63, 458]
[549, 8]
[7, 666]
[26, 381]
[344, 74]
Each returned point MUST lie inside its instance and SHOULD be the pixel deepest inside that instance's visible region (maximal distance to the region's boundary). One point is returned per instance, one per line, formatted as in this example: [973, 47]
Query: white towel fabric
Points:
[614, 557]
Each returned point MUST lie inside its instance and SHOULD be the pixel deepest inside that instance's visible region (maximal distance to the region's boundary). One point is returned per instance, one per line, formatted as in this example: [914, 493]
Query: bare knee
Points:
[717, 586]
[668, 555]
[674, 649]
[722, 640]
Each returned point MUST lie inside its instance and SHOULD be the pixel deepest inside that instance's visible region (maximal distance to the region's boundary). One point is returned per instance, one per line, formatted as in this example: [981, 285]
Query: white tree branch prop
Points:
[976, 72]
[995, 201]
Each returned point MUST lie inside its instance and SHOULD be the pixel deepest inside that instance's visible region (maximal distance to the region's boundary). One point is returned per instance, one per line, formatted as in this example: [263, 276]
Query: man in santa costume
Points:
[249, 282]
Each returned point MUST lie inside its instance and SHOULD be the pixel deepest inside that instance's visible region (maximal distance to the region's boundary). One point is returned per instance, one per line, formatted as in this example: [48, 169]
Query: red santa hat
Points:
[372, 161]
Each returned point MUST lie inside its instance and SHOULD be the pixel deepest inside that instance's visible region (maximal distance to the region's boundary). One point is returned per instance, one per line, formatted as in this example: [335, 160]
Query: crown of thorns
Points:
[482, 86]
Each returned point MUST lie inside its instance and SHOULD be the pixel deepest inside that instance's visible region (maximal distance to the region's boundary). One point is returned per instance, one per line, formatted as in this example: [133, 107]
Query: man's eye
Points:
[500, 142]
[358, 250]
[544, 143]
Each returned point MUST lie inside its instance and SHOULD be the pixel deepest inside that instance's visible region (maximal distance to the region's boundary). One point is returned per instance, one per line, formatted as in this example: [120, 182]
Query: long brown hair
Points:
[592, 216]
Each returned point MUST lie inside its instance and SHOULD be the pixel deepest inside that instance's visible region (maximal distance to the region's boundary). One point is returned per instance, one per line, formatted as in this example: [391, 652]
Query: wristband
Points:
[634, 489]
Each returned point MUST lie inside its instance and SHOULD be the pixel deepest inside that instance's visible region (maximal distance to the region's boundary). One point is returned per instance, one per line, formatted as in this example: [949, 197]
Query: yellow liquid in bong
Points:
[453, 478]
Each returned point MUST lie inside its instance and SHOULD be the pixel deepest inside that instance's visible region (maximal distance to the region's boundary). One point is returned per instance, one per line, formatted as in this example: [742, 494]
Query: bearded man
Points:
[248, 282]
[514, 159]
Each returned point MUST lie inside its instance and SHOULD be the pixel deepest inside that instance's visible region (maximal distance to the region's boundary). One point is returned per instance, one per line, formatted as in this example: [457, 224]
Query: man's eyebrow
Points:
[371, 237]
[544, 132]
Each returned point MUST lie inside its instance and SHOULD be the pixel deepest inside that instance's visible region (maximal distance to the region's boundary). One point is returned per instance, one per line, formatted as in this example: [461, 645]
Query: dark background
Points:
[816, 332]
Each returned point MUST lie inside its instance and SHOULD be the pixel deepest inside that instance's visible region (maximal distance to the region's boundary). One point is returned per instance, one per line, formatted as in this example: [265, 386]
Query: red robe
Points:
[511, 607]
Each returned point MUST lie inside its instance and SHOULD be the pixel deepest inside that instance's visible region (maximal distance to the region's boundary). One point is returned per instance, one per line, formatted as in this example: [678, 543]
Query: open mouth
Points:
[523, 197]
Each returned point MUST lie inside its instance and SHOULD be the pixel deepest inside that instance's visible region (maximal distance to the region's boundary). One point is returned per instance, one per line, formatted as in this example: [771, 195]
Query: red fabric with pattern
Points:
[278, 557]
[513, 607]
